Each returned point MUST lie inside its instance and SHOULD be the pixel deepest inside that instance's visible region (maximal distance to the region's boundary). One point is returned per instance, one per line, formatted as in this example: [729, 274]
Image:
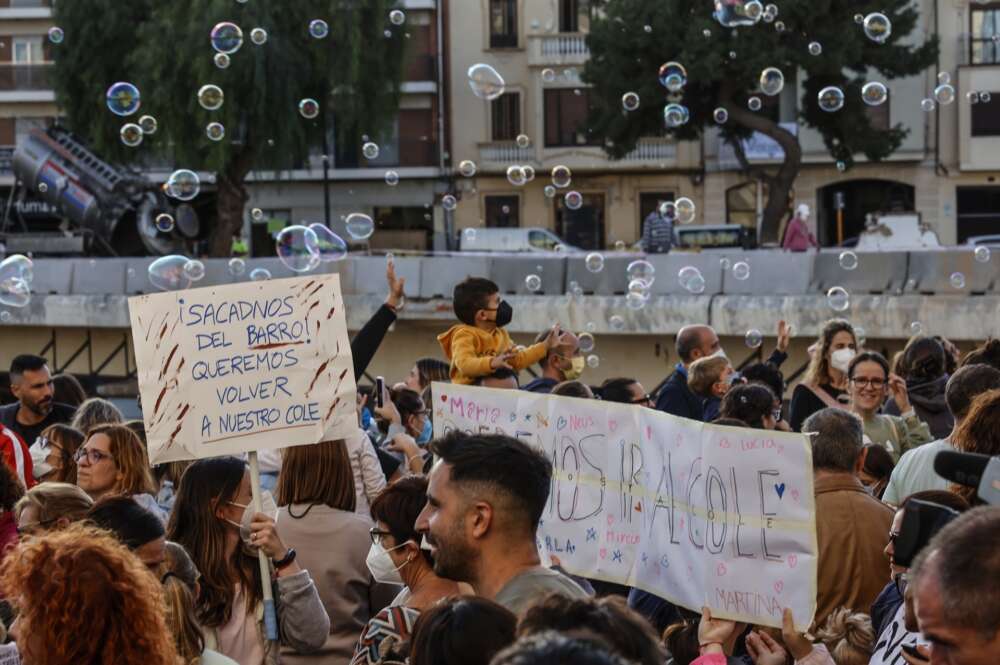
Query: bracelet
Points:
[708, 644]
[413, 457]
[286, 560]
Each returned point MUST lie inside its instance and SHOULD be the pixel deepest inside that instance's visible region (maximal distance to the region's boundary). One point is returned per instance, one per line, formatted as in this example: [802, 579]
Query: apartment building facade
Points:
[947, 169]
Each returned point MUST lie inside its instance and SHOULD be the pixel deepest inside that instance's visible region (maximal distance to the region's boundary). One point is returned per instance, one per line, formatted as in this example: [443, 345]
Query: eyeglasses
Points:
[877, 384]
[92, 455]
[645, 399]
[377, 535]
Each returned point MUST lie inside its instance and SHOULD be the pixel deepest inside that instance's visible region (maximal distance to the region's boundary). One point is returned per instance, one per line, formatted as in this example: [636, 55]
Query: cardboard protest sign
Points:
[252, 366]
[697, 514]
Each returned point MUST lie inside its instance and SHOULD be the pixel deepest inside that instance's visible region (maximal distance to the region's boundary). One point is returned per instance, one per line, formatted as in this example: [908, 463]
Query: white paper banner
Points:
[251, 366]
[695, 513]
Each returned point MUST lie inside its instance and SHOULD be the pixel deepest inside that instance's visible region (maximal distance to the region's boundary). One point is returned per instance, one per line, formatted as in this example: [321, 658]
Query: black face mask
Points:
[505, 314]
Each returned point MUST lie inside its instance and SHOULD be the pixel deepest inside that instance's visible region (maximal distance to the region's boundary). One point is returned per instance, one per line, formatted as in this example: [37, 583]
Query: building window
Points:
[503, 212]
[27, 50]
[978, 211]
[984, 35]
[503, 23]
[507, 116]
[986, 116]
[566, 112]
[574, 15]
[583, 227]
[878, 116]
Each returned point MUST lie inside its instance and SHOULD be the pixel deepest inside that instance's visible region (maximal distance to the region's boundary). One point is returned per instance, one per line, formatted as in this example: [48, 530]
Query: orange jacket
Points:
[470, 350]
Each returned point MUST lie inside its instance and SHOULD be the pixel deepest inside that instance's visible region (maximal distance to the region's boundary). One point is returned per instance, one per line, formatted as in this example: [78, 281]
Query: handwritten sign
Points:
[252, 366]
[697, 514]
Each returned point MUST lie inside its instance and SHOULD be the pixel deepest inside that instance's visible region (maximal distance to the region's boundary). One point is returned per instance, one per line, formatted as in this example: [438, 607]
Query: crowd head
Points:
[113, 461]
[837, 440]
[836, 348]
[31, 384]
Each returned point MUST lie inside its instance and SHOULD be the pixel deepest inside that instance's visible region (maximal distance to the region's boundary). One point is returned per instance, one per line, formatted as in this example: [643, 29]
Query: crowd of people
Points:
[402, 545]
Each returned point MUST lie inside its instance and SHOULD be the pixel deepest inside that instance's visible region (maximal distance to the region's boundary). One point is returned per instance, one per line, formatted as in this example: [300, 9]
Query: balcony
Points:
[26, 9]
[649, 153]
[559, 49]
[25, 77]
[504, 153]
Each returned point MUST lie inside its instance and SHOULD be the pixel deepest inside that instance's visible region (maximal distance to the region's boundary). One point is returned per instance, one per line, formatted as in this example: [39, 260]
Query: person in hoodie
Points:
[923, 367]
[479, 345]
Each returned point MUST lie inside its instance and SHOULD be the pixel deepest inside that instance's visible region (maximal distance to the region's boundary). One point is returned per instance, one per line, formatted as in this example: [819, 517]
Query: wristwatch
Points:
[285, 561]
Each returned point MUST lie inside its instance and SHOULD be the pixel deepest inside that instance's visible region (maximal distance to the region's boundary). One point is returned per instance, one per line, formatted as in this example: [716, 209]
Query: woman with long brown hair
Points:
[979, 432]
[213, 519]
[53, 454]
[70, 583]
[825, 381]
[114, 461]
[316, 494]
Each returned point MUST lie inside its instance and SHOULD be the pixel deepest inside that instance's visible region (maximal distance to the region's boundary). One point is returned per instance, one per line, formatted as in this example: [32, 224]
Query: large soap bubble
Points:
[831, 99]
[877, 27]
[123, 98]
[183, 184]
[736, 13]
[360, 226]
[298, 248]
[167, 273]
[772, 81]
[673, 76]
[331, 246]
[486, 82]
[227, 37]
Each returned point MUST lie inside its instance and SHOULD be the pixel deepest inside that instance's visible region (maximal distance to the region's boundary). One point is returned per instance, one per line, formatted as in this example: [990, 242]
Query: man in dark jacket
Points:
[563, 363]
[693, 342]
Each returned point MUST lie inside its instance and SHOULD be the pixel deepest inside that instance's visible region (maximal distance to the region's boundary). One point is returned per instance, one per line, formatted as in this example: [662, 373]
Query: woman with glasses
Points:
[316, 499]
[53, 454]
[625, 391]
[396, 556]
[50, 507]
[113, 461]
[869, 384]
[214, 520]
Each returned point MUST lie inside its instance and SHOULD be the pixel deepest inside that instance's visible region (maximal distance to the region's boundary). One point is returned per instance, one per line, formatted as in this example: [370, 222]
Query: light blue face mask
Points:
[427, 433]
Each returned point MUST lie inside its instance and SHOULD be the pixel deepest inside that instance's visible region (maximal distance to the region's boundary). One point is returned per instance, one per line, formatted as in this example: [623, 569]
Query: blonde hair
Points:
[849, 636]
[704, 372]
[179, 578]
[818, 372]
[55, 501]
[130, 457]
[96, 411]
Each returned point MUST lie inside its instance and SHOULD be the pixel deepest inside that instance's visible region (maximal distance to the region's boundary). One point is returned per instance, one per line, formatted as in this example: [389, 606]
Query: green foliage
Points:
[164, 48]
[626, 56]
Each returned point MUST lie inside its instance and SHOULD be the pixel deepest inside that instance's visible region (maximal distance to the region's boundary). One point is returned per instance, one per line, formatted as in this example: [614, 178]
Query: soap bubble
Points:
[685, 210]
[957, 280]
[42, 187]
[183, 184]
[309, 108]
[298, 248]
[449, 202]
[675, 115]
[391, 178]
[848, 260]
[841, 166]
[753, 338]
[943, 77]
[982, 254]
[720, 115]
[585, 342]
[754, 103]
[548, 75]
[227, 38]
[319, 28]
[772, 81]
[686, 275]
[17, 266]
[724, 263]
[944, 94]
[593, 361]
[696, 284]
[985, 97]
[860, 335]
[56, 35]
[831, 99]
[167, 273]
[522, 141]
[164, 222]
[533, 283]
[215, 131]
[485, 82]
[927, 104]
[5, 316]
[516, 175]
[859, 18]
[237, 266]
[397, 17]
[123, 99]
[370, 150]
[561, 176]
[257, 214]
[258, 36]
[972, 97]
[194, 270]
[877, 27]
[874, 93]
[635, 301]
[221, 60]
[260, 275]
[467, 168]
[529, 172]
[735, 14]
[673, 76]
[594, 262]
[360, 226]
[642, 270]
[916, 328]
[469, 235]
[617, 323]
[630, 101]
[331, 246]
[838, 299]
[131, 134]
[15, 292]
[815, 48]
[549, 191]
[741, 270]
[210, 97]
[574, 200]
[148, 124]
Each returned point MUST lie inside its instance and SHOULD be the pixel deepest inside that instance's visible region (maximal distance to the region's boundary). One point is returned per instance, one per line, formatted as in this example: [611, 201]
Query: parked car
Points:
[513, 240]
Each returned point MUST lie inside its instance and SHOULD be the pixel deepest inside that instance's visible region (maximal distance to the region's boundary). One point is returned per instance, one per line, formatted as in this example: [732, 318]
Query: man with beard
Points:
[484, 503]
[31, 384]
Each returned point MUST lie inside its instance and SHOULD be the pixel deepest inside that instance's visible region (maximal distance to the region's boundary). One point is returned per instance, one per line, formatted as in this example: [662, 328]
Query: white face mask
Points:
[381, 566]
[39, 451]
[267, 506]
[721, 353]
[841, 359]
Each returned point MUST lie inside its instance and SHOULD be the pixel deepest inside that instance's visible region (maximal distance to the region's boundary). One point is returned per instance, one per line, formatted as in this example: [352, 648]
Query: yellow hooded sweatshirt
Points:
[471, 349]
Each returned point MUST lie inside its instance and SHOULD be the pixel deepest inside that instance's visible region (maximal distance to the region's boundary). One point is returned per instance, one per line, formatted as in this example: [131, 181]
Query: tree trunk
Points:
[781, 183]
[230, 206]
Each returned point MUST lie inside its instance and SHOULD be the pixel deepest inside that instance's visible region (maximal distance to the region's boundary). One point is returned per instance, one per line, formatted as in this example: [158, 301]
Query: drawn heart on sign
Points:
[792, 560]
[720, 570]
[604, 553]
[778, 586]
[444, 398]
[649, 432]
[780, 489]
[638, 506]
[795, 495]
[781, 449]
[612, 425]
[611, 520]
[682, 522]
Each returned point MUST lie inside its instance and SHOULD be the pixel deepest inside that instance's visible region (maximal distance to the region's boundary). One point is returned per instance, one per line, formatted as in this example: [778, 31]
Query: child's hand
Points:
[503, 360]
[555, 337]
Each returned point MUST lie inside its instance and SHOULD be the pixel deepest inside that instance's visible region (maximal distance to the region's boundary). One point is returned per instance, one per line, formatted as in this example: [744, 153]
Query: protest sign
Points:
[695, 513]
[252, 366]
